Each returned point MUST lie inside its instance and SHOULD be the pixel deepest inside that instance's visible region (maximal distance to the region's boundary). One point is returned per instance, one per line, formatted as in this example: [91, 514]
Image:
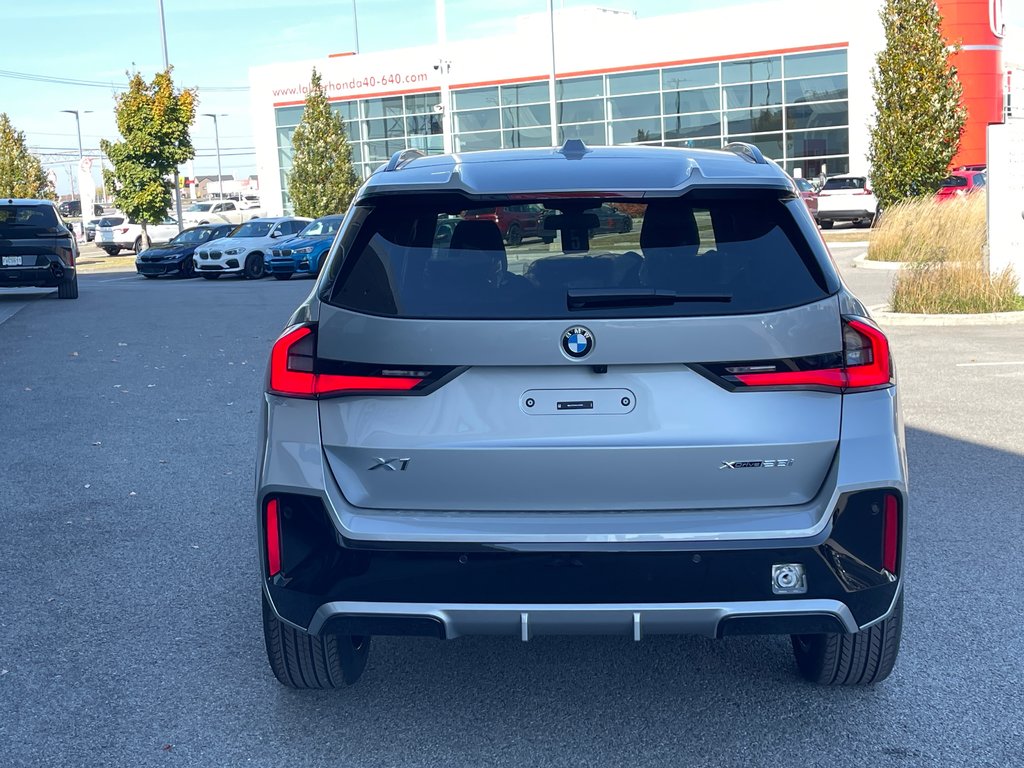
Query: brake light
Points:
[123, 230]
[273, 538]
[864, 364]
[890, 533]
[293, 371]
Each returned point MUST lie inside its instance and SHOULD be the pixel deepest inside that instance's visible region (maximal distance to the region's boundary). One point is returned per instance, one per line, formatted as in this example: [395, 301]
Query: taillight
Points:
[123, 230]
[863, 364]
[890, 533]
[273, 538]
[296, 372]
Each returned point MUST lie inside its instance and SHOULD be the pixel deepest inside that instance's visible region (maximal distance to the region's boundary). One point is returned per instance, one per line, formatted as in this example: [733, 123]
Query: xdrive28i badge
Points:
[577, 342]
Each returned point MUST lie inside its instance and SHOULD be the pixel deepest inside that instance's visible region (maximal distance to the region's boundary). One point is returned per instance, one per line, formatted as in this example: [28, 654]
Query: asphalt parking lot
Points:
[130, 627]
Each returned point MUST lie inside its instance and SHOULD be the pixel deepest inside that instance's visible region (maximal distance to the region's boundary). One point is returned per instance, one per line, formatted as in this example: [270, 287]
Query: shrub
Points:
[943, 244]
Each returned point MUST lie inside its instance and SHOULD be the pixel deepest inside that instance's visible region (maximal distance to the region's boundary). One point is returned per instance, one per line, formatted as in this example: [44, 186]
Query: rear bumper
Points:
[329, 583]
[49, 276]
[852, 214]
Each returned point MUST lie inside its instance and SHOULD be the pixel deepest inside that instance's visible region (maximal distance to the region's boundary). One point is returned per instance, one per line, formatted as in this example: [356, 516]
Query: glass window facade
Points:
[794, 107]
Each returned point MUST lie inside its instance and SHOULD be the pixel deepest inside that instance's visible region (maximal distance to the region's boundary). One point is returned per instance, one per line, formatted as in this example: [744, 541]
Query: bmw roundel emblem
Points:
[577, 342]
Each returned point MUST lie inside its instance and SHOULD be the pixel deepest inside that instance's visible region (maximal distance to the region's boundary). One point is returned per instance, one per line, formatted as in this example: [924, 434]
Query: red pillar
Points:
[974, 24]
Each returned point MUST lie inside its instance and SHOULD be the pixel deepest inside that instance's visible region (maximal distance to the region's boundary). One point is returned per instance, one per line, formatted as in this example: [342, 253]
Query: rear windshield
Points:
[111, 221]
[857, 182]
[19, 220]
[417, 257]
[954, 181]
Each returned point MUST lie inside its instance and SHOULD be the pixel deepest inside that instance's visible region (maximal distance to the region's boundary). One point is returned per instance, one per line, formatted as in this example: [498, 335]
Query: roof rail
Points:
[747, 151]
[403, 157]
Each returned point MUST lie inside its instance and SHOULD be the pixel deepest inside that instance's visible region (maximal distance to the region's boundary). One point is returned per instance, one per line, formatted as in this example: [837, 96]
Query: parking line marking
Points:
[979, 365]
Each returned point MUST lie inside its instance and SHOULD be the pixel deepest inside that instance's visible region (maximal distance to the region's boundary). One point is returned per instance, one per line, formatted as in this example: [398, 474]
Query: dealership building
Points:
[790, 76]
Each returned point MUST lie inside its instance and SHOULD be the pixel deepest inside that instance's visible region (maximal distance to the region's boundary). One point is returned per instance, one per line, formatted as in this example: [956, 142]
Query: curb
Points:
[883, 316]
[848, 243]
[862, 262]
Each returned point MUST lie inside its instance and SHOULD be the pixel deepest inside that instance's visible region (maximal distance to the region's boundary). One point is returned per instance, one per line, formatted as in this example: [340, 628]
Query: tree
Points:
[154, 121]
[322, 180]
[21, 173]
[919, 115]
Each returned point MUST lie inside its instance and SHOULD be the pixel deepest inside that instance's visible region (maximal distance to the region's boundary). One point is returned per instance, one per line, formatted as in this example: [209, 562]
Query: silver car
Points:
[689, 427]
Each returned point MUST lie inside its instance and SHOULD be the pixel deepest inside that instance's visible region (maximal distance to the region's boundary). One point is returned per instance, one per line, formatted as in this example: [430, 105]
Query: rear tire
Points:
[864, 658]
[515, 235]
[825, 224]
[254, 267]
[627, 226]
[299, 660]
[68, 289]
[137, 246]
[112, 251]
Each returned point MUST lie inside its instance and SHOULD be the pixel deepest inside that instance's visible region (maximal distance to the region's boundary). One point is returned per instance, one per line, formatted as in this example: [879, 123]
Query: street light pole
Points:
[216, 136]
[78, 126]
[355, 24]
[167, 65]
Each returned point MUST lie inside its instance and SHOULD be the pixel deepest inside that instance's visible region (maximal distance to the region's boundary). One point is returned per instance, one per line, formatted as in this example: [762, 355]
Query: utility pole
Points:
[167, 65]
[216, 135]
[355, 24]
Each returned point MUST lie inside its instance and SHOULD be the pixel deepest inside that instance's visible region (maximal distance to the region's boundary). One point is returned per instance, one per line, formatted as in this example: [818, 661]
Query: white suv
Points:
[242, 252]
[127, 236]
[846, 198]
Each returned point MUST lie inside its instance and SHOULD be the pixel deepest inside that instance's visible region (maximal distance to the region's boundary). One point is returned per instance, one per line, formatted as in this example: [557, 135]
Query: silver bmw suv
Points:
[688, 427]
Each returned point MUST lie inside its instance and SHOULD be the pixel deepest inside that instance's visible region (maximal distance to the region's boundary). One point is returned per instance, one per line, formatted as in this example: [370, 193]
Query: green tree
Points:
[322, 180]
[154, 120]
[919, 115]
[21, 173]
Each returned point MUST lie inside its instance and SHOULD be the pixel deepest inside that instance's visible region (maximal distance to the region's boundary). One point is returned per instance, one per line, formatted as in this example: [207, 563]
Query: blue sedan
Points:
[305, 253]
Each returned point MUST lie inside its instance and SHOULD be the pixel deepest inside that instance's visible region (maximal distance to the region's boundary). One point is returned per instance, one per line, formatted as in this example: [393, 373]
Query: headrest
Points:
[476, 236]
[669, 227]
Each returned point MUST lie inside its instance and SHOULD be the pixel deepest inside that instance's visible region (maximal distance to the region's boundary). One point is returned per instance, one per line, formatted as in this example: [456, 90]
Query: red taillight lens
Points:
[122, 230]
[293, 374]
[865, 365]
[273, 538]
[890, 533]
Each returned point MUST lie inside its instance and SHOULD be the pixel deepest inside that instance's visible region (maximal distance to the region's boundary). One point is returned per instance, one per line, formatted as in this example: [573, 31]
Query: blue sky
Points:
[212, 43]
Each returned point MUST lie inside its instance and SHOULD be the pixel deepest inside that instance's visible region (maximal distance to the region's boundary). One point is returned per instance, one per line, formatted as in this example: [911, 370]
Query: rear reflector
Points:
[890, 533]
[273, 539]
[295, 371]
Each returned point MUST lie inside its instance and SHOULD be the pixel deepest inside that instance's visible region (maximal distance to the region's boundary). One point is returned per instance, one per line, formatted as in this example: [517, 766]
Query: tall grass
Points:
[943, 245]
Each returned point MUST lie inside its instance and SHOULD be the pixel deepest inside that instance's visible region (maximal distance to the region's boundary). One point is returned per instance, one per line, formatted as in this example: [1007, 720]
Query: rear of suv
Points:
[691, 430]
[36, 247]
[846, 198]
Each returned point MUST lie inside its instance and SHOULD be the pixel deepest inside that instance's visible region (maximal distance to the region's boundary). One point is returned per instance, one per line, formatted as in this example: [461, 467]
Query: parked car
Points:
[691, 429]
[243, 252]
[217, 212]
[610, 220]
[514, 221]
[90, 228]
[176, 256]
[305, 253]
[847, 197]
[808, 194]
[74, 208]
[960, 183]
[115, 234]
[36, 247]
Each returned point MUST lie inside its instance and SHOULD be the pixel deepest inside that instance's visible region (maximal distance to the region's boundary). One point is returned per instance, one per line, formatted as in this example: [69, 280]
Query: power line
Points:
[35, 78]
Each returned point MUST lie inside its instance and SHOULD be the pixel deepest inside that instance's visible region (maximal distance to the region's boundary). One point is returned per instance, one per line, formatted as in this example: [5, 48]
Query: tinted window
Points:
[416, 257]
[111, 221]
[20, 220]
[954, 181]
[322, 227]
[253, 229]
[853, 182]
